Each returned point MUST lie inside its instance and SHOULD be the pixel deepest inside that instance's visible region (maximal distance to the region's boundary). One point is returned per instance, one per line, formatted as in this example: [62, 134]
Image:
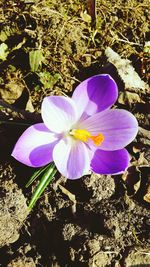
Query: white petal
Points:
[71, 158]
[59, 113]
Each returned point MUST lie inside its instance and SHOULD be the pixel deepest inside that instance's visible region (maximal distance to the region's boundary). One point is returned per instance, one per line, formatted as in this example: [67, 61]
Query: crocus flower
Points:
[80, 133]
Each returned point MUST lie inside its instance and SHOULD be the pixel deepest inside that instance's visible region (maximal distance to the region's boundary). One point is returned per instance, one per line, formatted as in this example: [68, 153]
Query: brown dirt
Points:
[110, 226]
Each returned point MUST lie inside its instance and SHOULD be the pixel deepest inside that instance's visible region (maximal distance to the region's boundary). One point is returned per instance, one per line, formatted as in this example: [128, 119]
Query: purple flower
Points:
[80, 133]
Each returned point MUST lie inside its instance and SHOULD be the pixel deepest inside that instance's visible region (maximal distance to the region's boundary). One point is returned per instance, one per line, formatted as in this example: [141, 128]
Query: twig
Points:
[91, 8]
[128, 42]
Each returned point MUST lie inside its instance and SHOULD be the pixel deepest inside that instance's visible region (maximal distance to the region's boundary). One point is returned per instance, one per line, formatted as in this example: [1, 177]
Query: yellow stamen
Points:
[81, 135]
[84, 135]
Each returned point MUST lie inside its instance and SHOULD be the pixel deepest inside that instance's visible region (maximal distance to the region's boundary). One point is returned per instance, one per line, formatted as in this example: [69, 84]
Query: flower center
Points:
[84, 136]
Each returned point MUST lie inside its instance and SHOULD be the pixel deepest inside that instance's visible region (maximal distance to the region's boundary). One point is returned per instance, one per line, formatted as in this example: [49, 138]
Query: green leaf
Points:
[37, 87]
[13, 122]
[35, 175]
[3, 36]
[3, 51]
[49, 80]
[146, 49]
[35, 59]
[12, 68]
[45, 180]
[86, 17]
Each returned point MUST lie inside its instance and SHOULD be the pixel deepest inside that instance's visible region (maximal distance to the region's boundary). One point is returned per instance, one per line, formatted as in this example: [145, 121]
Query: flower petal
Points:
[58, 113]
[110, 162]
[95, 94]
[119, 128]
[34, 147]
[71, 158]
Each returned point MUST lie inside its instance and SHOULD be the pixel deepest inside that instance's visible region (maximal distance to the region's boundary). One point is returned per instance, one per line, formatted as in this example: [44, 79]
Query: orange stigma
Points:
[84, 136]
[98, 139]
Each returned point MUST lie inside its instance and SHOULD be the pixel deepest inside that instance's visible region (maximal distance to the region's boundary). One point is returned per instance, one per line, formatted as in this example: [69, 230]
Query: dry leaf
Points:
[147, 195]
[129, 98]
[141, 162]
[132, 179]
[70, 196]
[68, 193]
[126, 71]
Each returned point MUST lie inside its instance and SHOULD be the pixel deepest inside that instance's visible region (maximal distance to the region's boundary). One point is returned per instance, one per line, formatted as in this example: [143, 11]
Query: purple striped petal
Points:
[58, 113]
[71, 158]
[119, 128]
[110, 162]
[95, 94]
[34, 147]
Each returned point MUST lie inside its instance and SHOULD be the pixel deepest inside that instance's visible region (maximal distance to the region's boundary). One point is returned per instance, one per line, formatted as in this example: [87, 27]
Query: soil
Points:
[48, 47]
